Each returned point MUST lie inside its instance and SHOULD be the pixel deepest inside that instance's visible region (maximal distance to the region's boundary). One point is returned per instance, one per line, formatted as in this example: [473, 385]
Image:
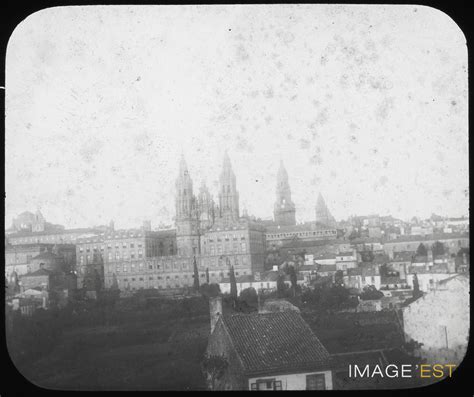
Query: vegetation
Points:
[416, 287]
[196, 275]
[233, 283]
[83, 346]
[438, 248]
[210, 290]
[214, 368]
[371, 293]
[421, 250]
[328, 298]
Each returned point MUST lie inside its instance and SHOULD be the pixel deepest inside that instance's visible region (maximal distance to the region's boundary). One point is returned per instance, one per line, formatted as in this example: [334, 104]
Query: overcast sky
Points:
[365, 104]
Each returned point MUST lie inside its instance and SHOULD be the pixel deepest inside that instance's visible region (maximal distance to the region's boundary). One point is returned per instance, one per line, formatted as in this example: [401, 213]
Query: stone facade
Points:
[440, 321]
[284, 211]
[214, 235]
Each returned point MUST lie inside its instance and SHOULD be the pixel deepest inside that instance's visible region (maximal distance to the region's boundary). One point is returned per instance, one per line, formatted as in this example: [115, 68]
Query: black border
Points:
[13, 383]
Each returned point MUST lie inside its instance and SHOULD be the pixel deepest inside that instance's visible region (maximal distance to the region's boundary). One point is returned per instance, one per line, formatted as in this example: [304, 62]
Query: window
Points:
[315, 382]
[266, 384]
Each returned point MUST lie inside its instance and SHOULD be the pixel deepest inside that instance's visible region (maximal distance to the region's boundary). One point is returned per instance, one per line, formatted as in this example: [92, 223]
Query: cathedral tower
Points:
[187, 235]
[323, 216]
[284, 210]
[205, 207]
[228, 195]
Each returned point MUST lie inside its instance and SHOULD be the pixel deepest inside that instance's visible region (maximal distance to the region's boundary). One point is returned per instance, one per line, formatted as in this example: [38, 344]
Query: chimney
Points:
[215, 310]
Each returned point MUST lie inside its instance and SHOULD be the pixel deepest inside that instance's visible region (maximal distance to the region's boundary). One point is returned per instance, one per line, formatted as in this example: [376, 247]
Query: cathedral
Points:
[213, 231]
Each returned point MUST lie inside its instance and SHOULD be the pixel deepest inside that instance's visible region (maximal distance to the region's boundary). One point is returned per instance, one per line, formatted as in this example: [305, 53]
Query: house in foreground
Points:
[267, 351]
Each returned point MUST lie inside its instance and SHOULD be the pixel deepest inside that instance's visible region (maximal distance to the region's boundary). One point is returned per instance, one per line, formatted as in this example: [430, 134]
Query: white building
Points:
[439, 320]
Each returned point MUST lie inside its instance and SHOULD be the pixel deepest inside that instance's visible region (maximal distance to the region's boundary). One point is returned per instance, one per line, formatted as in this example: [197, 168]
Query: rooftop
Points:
[53, 232]
[40, 272]
[429, 237]
[275, 342]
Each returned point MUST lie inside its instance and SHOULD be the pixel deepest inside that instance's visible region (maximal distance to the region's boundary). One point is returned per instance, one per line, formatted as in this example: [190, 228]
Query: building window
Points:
[266, 384]
[315, 382]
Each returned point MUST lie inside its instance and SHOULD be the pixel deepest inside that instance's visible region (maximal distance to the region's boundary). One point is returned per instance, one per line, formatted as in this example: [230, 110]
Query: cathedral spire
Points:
[183, 167]
[284, 209]
[228, 195]
[323, 216]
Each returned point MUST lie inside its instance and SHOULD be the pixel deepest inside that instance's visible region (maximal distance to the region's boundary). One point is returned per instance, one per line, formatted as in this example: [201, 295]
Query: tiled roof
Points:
[46, 255]
[40, 272]
[53, 232]
[430, 237]
[327, 268]
[347, 253]
[308, 268]
[402, 256]
[392, 280]
[309, 226]
[275, 342]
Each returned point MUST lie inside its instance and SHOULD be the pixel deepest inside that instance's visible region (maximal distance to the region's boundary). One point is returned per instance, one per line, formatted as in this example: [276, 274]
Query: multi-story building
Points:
[55, 236]
[121, 246]
[452, 242]
[25, 258]
[277, 236]
[215, 236]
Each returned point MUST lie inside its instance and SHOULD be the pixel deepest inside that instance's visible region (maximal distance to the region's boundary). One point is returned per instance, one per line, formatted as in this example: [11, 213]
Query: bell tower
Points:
[284, 210]
[187, 234]
[228, 195]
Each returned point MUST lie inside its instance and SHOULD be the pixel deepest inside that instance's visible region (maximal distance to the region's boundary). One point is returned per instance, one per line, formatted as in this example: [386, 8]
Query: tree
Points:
[421, 250]
[281, 287]
[210, 290]
[233, 283]
[196, 275]
[371, 293]
[293, 279]
[97, 281]
[416, 287]
[214, 368]
[207, 275]
[114, 285]
[438, 248]
[339, 277]
[249, 296]
[367, 256]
